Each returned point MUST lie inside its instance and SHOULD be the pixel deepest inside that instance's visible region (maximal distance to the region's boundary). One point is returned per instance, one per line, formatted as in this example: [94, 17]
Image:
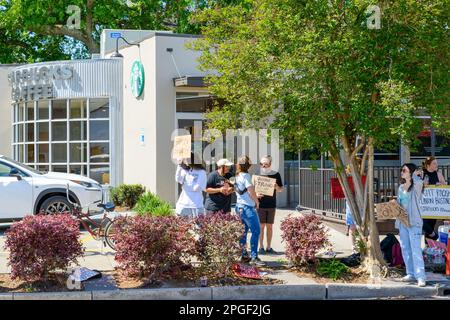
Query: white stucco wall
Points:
[154, 113]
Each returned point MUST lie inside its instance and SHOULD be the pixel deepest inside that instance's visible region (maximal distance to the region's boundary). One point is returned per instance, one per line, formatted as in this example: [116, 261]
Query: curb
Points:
[329, 291]
[363, 291]
[273, 292]
[6, 296]
[444, 290]
[154, 294]
[70, 295]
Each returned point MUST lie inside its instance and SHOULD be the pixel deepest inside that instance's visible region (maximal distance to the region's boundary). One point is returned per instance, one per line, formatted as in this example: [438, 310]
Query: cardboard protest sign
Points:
[392, 210]
[264, 185]
[182, 147]
[435, 202]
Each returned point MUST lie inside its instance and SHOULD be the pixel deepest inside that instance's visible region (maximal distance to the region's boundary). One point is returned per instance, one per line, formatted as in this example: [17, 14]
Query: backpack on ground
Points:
[397, 257]
[386, 247]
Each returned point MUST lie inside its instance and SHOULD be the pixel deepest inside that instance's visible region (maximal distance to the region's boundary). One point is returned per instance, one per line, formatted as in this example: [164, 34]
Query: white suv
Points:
[24, 190]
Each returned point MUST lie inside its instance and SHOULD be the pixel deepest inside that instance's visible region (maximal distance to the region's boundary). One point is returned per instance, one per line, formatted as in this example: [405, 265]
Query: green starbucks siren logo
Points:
[137, 79]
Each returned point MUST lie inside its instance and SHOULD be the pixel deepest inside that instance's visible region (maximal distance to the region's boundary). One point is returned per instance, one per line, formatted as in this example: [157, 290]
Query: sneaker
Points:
[262, 251]
[245, 257]
[421, 283]
[271, 251]
[257, 262]
[408, 278]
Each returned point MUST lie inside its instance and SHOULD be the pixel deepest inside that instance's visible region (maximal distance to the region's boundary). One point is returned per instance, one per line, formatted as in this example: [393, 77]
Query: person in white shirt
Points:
[192, 178]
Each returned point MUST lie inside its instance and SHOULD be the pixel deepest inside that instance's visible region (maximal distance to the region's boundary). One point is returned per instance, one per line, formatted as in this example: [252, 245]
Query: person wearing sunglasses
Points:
[267, 205]
[246, 205]
[409, 194]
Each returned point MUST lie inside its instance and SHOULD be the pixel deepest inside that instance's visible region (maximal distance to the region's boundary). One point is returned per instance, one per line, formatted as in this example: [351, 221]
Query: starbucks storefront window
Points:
[64, 135]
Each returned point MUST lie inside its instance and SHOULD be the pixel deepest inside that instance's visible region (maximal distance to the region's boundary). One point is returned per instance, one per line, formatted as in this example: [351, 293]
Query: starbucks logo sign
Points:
[137, 79]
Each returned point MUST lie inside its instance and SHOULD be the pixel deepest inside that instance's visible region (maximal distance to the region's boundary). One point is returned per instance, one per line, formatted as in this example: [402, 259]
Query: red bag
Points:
[397, 257]
[336, 189]
[245, 271]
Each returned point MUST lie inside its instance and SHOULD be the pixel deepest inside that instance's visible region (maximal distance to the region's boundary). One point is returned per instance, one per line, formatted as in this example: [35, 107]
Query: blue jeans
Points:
[250, 218]
[410, 240]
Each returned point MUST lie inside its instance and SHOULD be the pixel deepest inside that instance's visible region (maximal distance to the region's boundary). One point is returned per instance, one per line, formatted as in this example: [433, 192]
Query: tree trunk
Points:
[374, 261]
[362, 206]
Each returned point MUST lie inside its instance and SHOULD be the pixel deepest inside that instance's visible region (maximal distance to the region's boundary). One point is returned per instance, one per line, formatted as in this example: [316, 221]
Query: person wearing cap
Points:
[218, 188]
[267, 204]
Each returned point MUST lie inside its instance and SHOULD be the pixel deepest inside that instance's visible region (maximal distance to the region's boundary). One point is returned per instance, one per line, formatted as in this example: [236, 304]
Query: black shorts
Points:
[266, 215]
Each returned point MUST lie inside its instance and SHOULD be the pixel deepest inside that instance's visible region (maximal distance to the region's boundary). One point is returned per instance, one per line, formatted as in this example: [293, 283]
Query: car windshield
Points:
[22, 166]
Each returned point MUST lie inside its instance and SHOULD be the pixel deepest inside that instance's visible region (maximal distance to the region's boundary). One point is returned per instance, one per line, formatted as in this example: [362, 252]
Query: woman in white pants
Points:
[192, 178]
[409, 194]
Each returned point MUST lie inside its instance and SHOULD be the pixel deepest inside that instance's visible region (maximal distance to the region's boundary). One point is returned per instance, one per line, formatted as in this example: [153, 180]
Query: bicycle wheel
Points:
[110, 232]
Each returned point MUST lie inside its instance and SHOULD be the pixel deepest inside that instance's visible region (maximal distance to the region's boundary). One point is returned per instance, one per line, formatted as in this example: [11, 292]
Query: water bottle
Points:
[443, 232]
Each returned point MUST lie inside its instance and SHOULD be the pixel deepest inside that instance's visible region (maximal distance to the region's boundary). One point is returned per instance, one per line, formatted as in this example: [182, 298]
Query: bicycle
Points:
[103, 229]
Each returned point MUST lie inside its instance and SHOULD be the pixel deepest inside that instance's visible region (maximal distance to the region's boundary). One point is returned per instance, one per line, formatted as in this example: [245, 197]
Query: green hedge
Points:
[150, 204]
[126, 195]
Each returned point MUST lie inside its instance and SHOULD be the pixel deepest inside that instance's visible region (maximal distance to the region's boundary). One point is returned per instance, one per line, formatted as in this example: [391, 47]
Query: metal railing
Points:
[291, 184]
[314, 188]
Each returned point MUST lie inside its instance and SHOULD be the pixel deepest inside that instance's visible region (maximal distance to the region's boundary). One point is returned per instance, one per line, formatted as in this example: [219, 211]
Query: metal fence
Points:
[291, 183]
[314, 188]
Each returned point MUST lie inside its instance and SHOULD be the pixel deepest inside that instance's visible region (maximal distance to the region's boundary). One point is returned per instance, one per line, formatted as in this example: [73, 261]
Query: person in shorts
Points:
[267, 205]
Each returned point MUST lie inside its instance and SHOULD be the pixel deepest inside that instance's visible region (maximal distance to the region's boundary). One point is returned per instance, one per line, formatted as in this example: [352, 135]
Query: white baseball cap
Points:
[224, 162]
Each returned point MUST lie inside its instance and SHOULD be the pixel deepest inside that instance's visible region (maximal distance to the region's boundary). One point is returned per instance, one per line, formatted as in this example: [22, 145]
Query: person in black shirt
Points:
[431, 176]
[219, 189]
[267, 205]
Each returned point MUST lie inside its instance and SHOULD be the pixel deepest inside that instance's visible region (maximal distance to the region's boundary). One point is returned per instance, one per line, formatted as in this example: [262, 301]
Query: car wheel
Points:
[55, 205]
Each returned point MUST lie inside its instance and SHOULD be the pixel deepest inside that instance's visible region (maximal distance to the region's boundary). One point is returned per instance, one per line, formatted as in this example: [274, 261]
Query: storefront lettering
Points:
[37, 82]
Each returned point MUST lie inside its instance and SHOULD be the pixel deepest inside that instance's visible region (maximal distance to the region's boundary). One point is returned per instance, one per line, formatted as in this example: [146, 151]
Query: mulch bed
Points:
[55, 282]
[353, 275]
[189, 278]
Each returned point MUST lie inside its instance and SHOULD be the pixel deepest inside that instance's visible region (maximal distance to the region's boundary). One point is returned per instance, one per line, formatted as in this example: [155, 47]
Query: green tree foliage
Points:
[31, 29]
[317, 72]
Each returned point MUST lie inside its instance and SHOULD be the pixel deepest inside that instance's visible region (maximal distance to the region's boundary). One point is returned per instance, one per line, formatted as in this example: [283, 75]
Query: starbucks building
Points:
[112, 117]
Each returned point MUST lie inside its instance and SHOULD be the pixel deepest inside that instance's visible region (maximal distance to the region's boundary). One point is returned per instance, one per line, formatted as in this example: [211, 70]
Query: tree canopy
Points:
[48, 29]
[319, 72]
[326, 77]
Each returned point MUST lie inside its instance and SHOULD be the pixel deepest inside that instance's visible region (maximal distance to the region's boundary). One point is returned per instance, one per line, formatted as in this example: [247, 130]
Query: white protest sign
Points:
[264, 185]
[182, 147]
[435, 202]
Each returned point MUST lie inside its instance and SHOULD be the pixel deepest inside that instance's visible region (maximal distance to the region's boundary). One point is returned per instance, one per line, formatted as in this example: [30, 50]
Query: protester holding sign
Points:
[409, 194]
[431, 177]
[268, 203]
[192, 177]
[246, 205]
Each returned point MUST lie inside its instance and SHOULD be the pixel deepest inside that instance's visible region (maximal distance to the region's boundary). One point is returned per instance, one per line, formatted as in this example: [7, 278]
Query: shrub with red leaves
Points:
[153, 247]
[304, 237]
[43, 243]
[218, 245]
